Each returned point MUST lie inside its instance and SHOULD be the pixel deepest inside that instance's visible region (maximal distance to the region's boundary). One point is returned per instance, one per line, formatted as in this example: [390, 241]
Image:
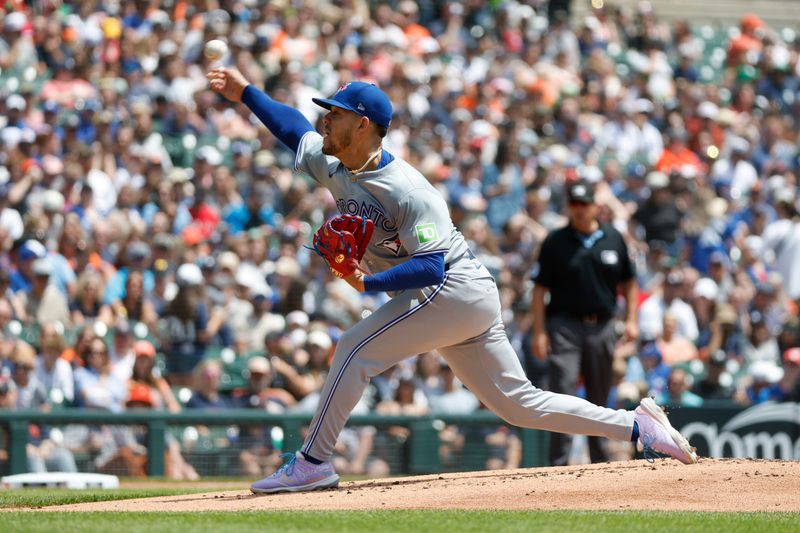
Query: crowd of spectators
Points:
[152, 235]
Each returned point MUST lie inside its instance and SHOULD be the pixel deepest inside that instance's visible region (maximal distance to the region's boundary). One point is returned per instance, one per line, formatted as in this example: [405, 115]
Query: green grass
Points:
[379, 521]
[42, 497]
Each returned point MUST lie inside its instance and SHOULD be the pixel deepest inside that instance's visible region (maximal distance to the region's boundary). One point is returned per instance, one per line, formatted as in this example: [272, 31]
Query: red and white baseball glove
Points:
[342, 241]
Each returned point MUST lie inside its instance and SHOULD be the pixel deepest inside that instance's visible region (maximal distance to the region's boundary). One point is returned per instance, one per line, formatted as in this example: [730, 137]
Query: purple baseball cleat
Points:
[656, 434]
[297, 475]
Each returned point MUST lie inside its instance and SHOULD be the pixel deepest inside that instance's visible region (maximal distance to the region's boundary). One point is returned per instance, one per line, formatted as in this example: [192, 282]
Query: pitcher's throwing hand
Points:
[228, 82]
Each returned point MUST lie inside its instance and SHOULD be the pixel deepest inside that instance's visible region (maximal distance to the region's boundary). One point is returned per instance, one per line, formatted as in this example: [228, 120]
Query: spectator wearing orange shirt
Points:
[418, 36]
[749, 41]
[704, 122]
[146, 383]
[291, 45]
[676, 154]
[148, 390]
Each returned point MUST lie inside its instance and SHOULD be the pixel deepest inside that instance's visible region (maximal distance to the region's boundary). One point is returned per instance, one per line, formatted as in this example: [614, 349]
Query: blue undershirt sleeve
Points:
[285, 122]
[417, 272]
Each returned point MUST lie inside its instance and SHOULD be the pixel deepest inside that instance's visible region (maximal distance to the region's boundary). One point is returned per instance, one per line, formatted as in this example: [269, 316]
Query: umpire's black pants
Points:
[580, 346]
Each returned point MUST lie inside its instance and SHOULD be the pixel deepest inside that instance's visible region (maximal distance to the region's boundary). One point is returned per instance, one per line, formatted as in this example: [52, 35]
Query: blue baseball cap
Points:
[32, 249]
[50, 106]
[363, 98]
[650, 351]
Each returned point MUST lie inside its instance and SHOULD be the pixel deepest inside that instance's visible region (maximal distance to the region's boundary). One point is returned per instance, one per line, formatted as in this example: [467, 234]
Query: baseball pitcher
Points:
[444, 299]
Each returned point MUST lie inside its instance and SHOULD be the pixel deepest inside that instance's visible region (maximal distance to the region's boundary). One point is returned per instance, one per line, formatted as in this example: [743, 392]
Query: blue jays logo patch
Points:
[392, 244]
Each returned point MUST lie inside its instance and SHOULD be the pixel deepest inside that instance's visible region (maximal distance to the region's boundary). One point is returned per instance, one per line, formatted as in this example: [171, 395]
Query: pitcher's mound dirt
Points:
[711, 485]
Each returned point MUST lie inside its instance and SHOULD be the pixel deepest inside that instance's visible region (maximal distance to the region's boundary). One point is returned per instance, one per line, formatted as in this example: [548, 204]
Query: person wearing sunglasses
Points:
[582, 266]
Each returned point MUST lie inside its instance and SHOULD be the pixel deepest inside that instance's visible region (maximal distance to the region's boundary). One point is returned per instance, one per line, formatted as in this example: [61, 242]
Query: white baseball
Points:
[215, 50]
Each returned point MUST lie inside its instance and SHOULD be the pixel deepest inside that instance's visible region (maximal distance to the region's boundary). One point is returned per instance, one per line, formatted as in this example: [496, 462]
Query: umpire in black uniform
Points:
[583, 267]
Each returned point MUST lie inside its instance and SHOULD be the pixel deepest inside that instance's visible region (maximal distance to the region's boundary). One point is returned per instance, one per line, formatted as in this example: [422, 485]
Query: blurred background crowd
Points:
[152, 235]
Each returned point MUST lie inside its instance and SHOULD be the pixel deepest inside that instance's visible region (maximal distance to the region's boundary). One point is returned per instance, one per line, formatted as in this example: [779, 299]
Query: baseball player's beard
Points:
[331, 147]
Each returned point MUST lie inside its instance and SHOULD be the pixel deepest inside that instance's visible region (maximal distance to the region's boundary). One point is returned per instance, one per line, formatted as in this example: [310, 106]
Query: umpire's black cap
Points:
[581, 191]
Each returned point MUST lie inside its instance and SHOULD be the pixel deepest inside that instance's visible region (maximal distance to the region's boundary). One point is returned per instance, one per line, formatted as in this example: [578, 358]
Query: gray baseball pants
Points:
[460, 318]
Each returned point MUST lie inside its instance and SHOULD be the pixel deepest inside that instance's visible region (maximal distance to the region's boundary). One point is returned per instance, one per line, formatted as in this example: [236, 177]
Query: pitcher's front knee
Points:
[347, 365]
[346, 345]
[343, 355]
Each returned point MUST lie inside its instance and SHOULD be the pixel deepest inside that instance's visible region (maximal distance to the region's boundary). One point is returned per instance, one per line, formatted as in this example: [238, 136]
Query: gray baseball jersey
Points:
[411, 217]
[460, 317]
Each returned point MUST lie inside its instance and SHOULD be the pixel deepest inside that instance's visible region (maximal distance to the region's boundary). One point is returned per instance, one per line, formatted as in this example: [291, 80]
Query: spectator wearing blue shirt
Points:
[15, 106]
[710, 239]
[170, 199]
[206, 393]
[655, 371]
[62, 275]
[464, 185]
[678, 393]
[95, 386]
[186, 329]
[84, 208]
[764, 386]
[502, 187]
[27, 253]
[137, 255]
[260, 208]
[87, 132]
